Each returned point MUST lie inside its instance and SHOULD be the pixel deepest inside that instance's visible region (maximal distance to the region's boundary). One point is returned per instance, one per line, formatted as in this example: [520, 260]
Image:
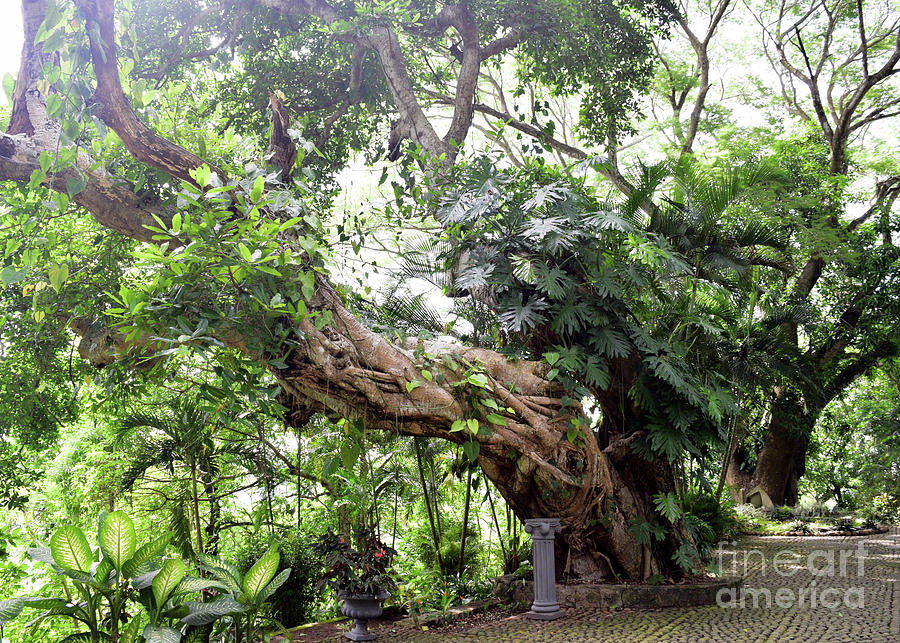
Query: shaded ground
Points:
[833, 589]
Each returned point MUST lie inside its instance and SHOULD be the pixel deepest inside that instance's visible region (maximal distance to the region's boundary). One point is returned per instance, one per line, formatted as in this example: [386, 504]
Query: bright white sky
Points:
[10, 36]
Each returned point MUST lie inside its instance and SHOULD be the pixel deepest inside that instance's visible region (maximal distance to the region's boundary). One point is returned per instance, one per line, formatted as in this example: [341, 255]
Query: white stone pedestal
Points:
[543, 532]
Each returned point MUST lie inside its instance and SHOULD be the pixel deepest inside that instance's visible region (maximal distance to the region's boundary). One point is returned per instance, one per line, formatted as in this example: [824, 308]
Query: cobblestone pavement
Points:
[783, 600]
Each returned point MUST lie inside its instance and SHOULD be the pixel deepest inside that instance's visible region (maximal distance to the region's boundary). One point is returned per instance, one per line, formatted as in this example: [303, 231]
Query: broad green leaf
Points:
[10, 275]
[144, 554]
[81, 577]
[44, 603]
[205, 613]
[245, 253]
[202, 175]
[272, 587]
[118, 539]
[165, 582]
[70, 549]
[132, 631]
[10, 609]
[104, 571]
[262, 572]
[493, 418]
[153, 634]
[308, 284]
[471, 449]
[145, 580]
[9, 86]
[44, 555]
[83, 637]
[189, 585]
[229, 571]
[75, 185]
[478, 379]
[197, 634]
[258, 185]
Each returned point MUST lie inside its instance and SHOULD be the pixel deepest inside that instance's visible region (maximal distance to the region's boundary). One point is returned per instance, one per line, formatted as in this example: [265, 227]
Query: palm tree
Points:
[181, 437]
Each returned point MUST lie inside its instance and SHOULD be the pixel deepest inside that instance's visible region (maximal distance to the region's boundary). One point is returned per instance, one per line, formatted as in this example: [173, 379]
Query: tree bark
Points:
[782, 459]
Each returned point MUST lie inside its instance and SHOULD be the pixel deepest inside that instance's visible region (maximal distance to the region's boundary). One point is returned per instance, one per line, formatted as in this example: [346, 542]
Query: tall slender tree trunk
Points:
[215, 511]
[195, 502]
[465, 525]
[435, 539]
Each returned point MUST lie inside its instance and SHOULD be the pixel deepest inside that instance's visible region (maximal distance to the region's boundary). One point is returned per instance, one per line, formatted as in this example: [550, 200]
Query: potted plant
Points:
[358, 569]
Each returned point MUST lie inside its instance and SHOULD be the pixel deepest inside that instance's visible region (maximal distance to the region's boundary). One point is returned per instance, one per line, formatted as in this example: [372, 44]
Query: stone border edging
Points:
[821, 534]
[508, 588]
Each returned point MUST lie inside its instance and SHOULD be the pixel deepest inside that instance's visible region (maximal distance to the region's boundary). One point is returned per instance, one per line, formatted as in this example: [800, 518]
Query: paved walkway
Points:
[783, 600]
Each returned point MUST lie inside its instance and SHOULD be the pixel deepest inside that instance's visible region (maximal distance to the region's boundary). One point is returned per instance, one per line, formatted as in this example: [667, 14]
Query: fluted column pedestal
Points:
[543, 532]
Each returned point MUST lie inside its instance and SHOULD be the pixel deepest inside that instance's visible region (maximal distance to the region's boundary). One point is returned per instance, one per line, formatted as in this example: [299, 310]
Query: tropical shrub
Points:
[109, 579]
[450, 548]
[251, 591]
[297, 601]
[883, 508]
[709, 520]
[363, 569]
[749, 517]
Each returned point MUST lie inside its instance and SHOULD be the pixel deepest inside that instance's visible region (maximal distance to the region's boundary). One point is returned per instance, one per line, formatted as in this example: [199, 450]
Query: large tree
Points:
[230, 262]
[837, 63]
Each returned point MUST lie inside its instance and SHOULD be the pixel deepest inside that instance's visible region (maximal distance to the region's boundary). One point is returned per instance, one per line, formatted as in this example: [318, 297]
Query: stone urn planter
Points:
[361, 608]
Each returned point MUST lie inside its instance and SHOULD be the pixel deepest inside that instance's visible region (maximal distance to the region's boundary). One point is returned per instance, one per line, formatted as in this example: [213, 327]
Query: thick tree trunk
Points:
[782, 459]
[737, 478]
[598, 495]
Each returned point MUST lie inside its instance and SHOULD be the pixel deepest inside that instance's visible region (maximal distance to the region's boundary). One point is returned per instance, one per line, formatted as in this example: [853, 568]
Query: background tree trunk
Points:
[782, 459]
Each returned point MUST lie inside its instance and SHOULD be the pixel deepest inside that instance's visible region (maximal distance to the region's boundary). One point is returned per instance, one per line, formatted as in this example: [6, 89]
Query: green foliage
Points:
[249, 594]
[668, 506]
[123, 575]
[297, 601]
[451, 537]
[709, 521]
[882, 508]
[360, 566]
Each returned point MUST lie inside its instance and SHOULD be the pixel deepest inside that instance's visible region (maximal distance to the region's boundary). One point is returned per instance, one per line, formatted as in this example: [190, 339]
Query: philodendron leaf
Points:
[44, 555]
[165, 582]
[206, 613]
[144, 580]
[70, 549]
[136, 565]
[188, 585]
[117, 538]
[199, 634]
[105, 572]
[161, 635]
[261, 573]
[272, 587]
[83, 637]
[10, 609]
[132, 631]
